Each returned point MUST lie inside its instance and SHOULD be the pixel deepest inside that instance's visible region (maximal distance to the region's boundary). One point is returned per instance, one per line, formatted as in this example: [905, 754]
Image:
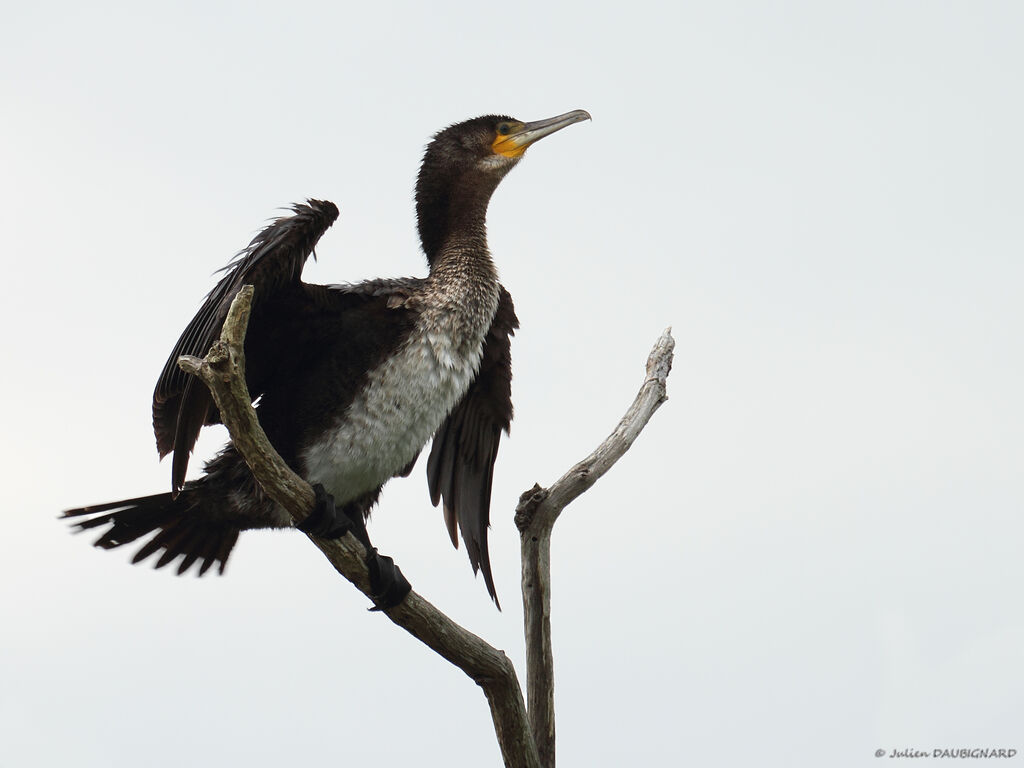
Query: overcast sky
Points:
[813, 552]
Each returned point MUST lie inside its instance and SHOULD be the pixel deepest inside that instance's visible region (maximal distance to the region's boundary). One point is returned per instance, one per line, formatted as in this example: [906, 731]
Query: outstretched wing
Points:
[272, 263]
[461, 463]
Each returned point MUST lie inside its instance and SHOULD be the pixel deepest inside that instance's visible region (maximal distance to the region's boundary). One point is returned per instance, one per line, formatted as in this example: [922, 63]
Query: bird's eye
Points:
[504, 129]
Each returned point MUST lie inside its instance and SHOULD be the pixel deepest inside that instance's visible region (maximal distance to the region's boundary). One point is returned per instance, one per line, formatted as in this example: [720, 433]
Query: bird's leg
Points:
[328, 521]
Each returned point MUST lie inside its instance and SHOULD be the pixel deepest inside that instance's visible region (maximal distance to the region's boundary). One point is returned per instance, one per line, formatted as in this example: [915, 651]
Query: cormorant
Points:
[352, 380]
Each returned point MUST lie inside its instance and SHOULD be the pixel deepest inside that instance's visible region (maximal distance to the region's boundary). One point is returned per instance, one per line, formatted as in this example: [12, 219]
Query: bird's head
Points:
[463, 165]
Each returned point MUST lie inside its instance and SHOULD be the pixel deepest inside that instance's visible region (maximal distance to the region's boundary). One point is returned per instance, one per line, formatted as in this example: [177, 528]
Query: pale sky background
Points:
[813, 552]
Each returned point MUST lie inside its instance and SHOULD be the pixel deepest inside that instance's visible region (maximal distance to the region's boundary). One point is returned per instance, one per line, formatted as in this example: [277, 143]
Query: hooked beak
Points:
[524, 134]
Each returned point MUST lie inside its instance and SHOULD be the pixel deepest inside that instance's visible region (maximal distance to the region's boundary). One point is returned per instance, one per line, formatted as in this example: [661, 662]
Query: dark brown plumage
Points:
[352, 380]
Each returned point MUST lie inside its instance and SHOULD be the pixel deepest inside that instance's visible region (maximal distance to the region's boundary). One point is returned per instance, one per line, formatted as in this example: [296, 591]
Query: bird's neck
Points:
[453, 219]
[464, 261]
[463, 279]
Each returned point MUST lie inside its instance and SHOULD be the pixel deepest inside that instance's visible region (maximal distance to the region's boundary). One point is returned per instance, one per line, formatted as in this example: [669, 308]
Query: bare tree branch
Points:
[535, 517]
[223, 371]
[526, 742]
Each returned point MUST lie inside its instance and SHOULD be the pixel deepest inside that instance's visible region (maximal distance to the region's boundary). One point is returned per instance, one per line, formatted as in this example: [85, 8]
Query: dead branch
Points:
[536, 514]
[223, 371]
[526, 742]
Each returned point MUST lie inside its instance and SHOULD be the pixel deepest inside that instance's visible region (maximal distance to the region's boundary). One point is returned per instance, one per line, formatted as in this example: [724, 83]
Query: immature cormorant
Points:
[352, 380]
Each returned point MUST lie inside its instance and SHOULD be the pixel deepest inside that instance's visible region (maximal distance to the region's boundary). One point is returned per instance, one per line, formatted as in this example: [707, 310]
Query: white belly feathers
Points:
[404, 401]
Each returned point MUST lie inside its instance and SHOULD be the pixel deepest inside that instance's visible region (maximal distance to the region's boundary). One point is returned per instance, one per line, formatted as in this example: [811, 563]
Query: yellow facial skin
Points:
[511, 138]
[508, 140]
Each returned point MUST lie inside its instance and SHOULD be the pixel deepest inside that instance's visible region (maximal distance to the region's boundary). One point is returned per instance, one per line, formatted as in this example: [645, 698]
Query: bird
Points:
[352, 380]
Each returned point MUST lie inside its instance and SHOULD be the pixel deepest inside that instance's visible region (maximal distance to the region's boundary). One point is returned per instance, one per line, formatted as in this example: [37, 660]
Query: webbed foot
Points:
[327, 521]
[388, 584]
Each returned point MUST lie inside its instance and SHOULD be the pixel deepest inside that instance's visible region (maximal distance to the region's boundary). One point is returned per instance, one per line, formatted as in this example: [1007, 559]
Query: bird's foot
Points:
[387, 584]
[326, 521]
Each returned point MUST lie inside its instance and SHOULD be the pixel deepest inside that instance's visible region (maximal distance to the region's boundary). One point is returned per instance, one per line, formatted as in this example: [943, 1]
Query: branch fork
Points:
[526, 737]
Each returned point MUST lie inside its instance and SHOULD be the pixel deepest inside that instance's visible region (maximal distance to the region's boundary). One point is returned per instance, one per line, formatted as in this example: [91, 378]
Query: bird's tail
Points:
[181, 529]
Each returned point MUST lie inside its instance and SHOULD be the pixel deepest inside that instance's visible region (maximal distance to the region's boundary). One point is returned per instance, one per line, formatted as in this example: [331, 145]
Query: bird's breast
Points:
[401, 405]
